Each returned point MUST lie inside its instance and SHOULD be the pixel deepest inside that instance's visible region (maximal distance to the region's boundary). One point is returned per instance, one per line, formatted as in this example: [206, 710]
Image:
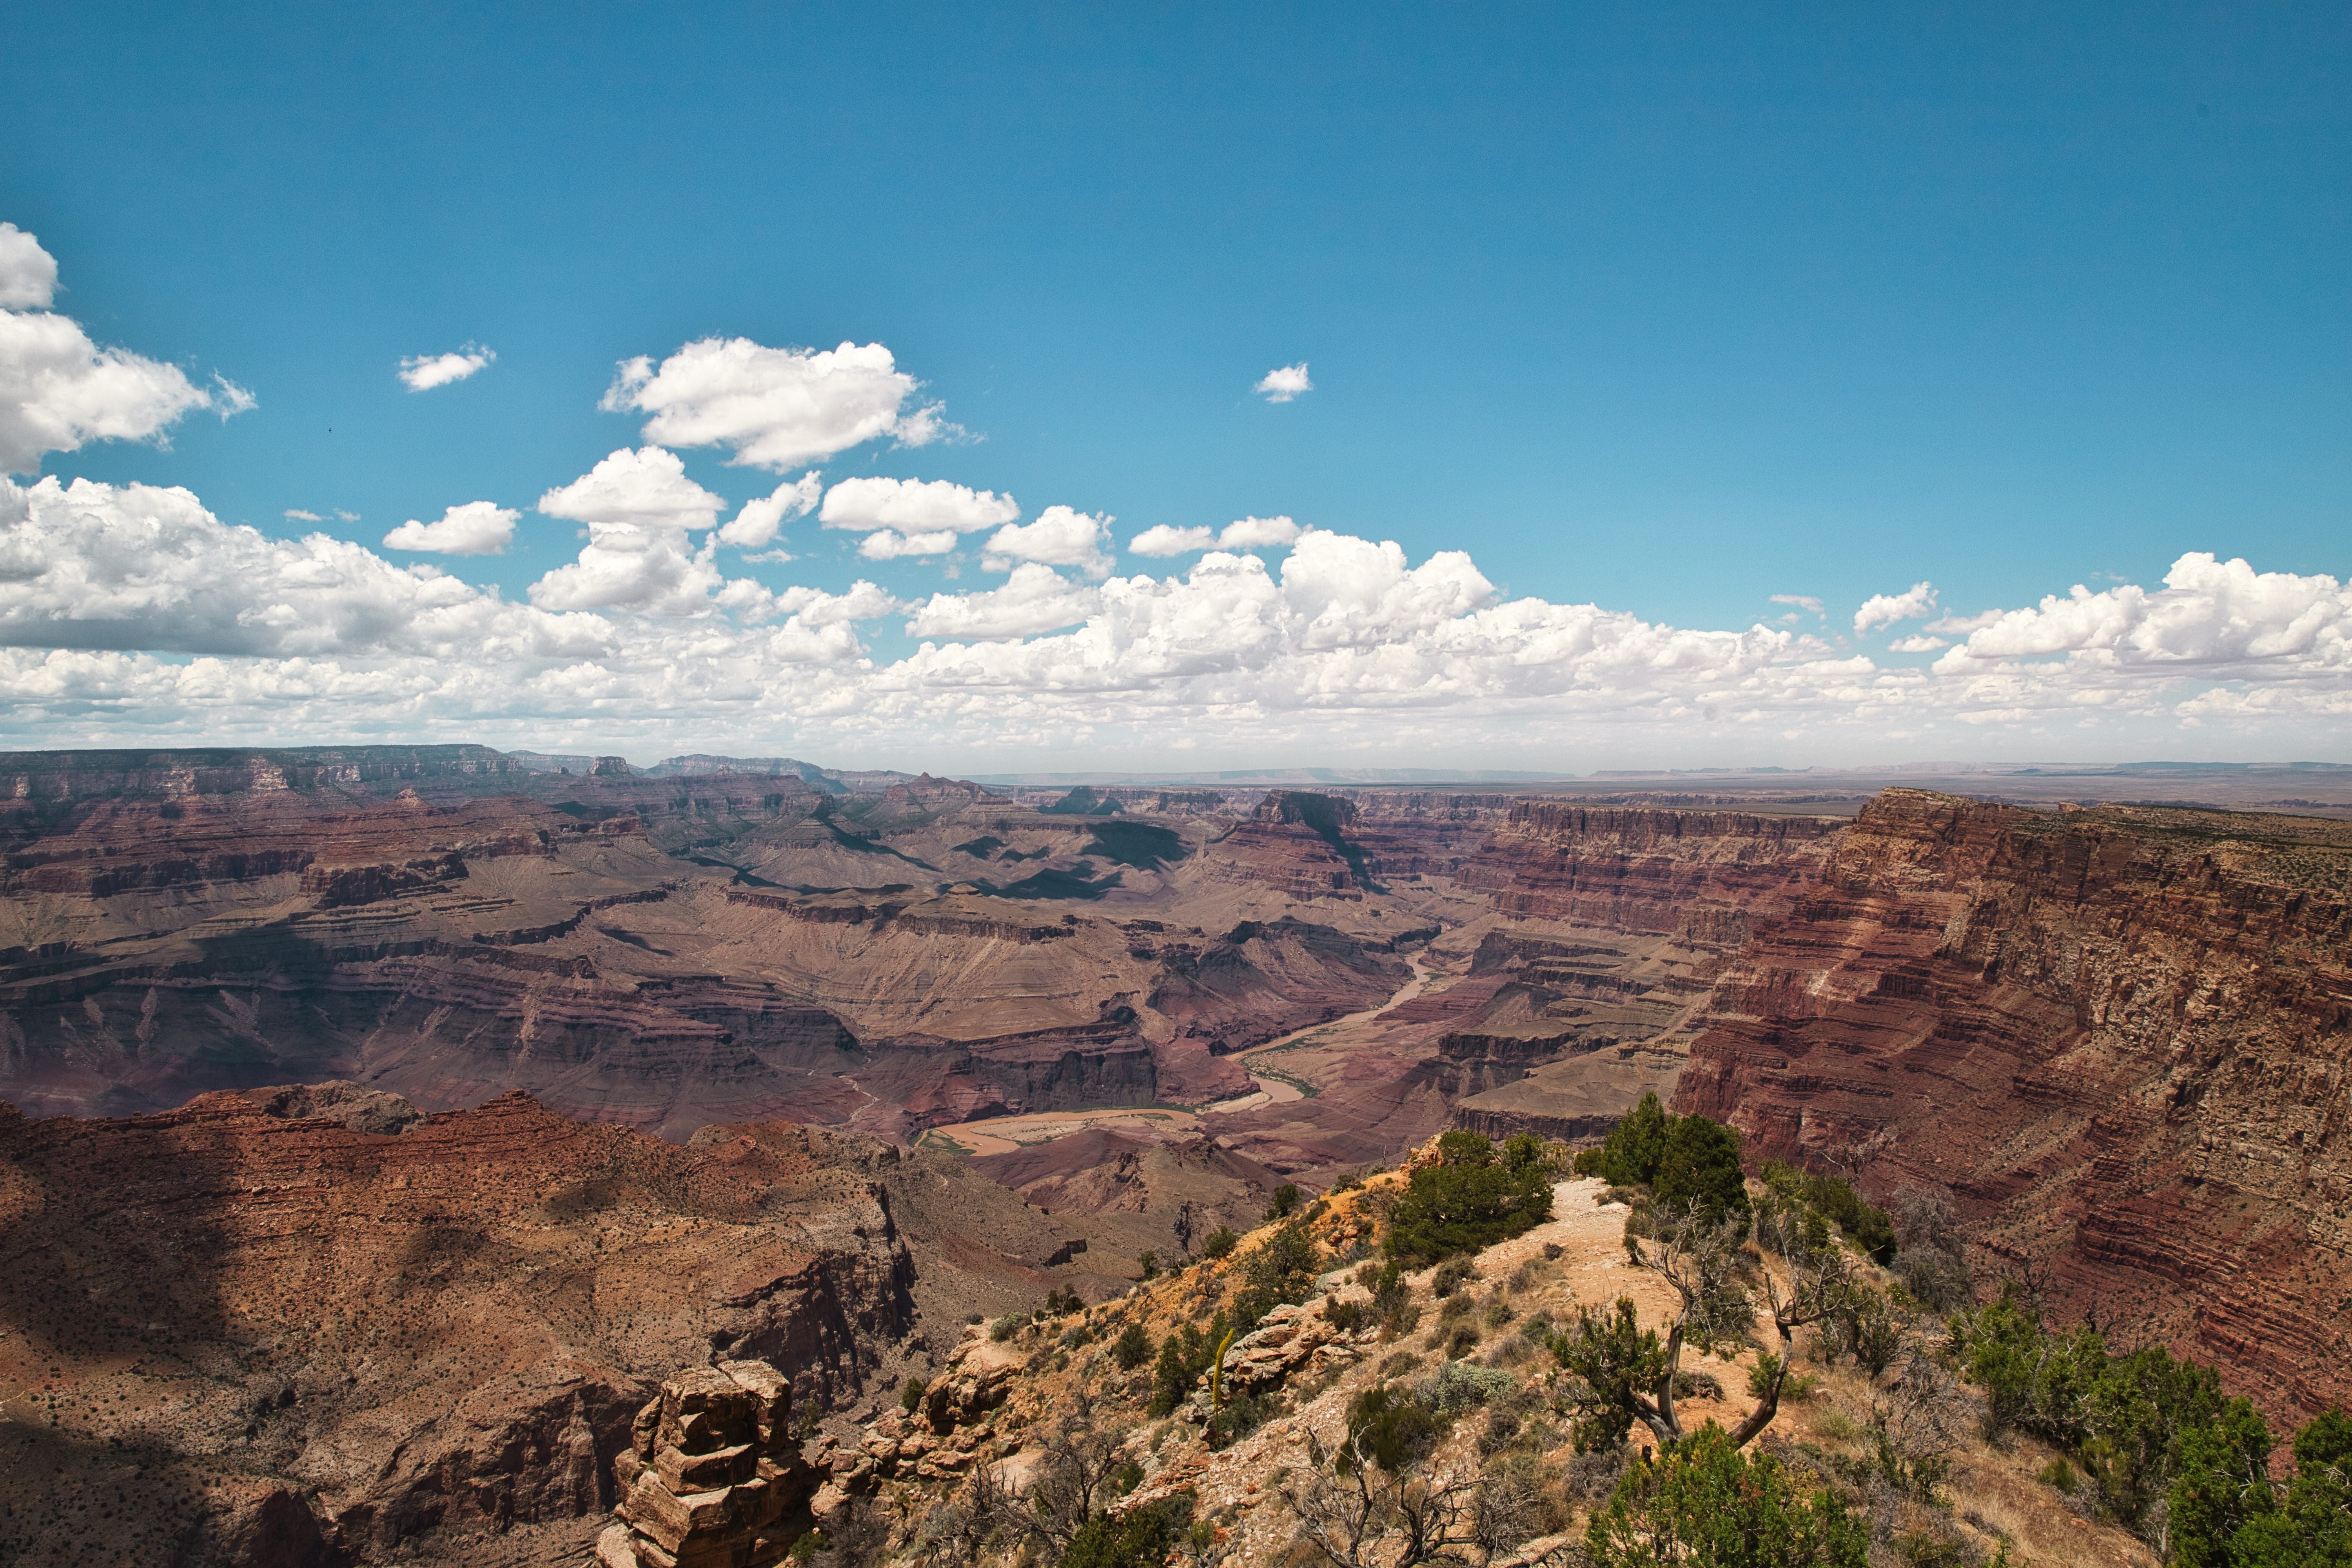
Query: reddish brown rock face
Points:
[306, 1322]
[2122, 1039]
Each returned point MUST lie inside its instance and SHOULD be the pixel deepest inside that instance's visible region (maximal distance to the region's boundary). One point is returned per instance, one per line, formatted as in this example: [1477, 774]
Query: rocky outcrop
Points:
[402, 1334]
[2121, 1039]
[712, 1476]
[1288, 1341]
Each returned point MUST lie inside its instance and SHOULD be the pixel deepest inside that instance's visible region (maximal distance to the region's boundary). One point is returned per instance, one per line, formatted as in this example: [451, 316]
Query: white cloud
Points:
[228, 400]
[1281, 385]
[131, 611]
[346, 516]
[639, 507]
[139, 567]
[647, 488]
[472, 528]
[756, 524]
[776, 408]
[58, 390]
[1959, 625]
[1885, 609]
[295, 514]
[914, 506]
[1060, 537]
[865, 601]
[1805, 602]
[1258, 533]
[28, 275]
[1164, 539]
[1033, 599]
[2212, 618]
[423, 373]
[889, 544]
[1917, 645]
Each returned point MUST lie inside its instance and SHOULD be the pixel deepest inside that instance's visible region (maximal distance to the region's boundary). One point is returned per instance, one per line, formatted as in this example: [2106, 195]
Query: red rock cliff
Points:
[2121, 1039]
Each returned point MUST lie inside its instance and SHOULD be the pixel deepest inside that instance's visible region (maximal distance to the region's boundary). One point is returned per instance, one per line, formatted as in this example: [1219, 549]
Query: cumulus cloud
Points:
[2214, 618]
[472, 528]
[1921, 643]
[28, 275]
[1245, 533]
[1885, 609]
[1281, 385]
[59, 390]
[647, 488]
[776, 408]
[1165, 539]
[133, 610]
[889, 544]
[755, 525]
[141, 567]
[639, 507]
[1033, 599]
[914, 506]
[1060, 537]
[1258, 533]
[423, 373]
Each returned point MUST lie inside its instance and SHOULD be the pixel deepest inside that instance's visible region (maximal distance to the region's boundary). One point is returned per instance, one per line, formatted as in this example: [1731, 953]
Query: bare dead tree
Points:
[1075, 1480]
[955, 1532]
[1821, 1283]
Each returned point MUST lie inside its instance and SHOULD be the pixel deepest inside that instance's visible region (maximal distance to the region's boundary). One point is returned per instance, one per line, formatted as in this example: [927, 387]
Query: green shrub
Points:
[1866, 1226]
[1285, 1201]
[1221, 1241]
[1631, 1155]
[1391, 1427]
[1151, 1262]
[1142, 1539]
[1451, 1276]
[1470, 1199]
[1701, 1166]
[1132, 1348]
[1006, 1327]
[1184, 1356]
[1237, 1419]
[1707, 1502]
[1461, 1386]
[910, 1394]
[1281, 1271]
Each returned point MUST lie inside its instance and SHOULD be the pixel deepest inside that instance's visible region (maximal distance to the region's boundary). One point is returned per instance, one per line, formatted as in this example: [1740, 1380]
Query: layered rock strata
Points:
[2120, 1039]
[712, 1476]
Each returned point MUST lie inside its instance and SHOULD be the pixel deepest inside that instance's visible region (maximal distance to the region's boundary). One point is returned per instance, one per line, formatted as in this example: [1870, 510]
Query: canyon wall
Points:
[2120, 1039]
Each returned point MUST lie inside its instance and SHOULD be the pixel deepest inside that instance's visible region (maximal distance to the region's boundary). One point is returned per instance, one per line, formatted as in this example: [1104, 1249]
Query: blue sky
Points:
[1665, 308]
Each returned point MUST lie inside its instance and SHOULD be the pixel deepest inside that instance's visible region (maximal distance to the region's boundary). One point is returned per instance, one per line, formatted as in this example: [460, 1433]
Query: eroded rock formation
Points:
[2121, 1039]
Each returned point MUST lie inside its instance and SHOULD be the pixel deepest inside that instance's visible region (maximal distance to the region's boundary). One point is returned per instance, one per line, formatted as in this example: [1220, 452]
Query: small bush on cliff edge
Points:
[1704, 1501]
[1471, 1197]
